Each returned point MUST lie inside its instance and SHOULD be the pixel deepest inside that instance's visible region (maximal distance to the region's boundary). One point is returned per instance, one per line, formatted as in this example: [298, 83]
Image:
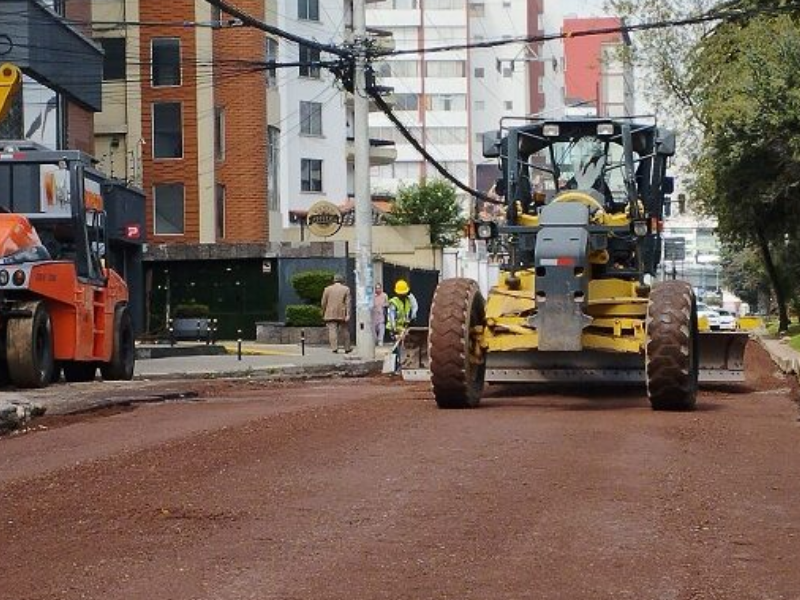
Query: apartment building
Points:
[184, 117]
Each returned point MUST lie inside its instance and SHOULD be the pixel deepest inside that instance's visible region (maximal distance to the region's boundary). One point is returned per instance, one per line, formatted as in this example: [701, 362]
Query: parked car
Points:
[703, 310]
[727, 320]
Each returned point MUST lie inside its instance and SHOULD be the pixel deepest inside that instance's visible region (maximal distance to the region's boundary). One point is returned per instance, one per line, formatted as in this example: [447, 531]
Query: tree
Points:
[748, 79]
[432, 203]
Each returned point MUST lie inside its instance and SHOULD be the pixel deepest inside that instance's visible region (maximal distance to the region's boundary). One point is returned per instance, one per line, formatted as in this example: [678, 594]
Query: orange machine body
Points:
[82, 312]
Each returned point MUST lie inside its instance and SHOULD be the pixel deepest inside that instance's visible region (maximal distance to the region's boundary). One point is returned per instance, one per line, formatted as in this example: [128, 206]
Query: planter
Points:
[278, 333]
[191, 329]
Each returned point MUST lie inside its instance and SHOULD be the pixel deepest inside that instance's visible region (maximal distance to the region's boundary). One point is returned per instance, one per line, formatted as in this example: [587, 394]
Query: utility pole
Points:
[365, 340]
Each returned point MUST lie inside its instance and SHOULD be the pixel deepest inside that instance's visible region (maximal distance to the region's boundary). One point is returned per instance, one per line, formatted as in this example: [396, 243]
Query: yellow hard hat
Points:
[401, 287]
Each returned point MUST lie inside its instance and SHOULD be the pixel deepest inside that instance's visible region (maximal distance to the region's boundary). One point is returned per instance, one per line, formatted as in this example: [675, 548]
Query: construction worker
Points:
[336, 313]
[401, 309]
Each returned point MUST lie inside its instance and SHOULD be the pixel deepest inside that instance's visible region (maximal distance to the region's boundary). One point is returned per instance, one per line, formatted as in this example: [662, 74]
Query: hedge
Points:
[309, 285]
[304, 315]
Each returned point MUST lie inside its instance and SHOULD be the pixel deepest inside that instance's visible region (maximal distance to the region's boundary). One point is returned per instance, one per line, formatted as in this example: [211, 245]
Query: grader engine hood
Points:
[562, 280]
[19, 242]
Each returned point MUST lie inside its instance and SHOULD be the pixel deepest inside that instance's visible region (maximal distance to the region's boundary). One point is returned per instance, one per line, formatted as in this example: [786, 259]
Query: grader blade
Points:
[414, 361]
[722, 356]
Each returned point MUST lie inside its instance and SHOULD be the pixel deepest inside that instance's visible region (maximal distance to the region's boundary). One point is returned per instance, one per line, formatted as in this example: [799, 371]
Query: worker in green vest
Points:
[401, 309]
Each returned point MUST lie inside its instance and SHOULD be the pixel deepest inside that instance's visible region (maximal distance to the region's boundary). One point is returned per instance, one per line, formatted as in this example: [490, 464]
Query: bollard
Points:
[199, 339]
[239, 345]
[213, 330]
[171, 334]
[302, 342]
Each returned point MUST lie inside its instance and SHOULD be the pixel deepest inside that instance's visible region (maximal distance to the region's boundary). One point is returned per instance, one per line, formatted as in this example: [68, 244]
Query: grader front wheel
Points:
[671, 353]
[457, 361]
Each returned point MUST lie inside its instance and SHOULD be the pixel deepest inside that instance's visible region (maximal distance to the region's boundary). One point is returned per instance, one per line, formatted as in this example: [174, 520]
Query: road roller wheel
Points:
[457, 361]
[671, 352]
[29, 346]
[123, 357]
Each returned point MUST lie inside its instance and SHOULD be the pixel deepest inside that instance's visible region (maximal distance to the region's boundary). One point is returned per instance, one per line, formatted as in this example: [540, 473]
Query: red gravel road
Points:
[361, 489]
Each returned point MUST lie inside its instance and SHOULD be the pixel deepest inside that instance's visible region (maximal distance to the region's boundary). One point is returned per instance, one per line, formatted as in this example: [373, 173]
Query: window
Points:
[506, 4]
[406, 101]
[216, 16]
[479, 72]
[273, 167]
[480, 105]
[404, 68]
[405, 4]
[219, 133]
[446, 102]
[167, 130]
[272, 56]
[508, 72]
[166, 58]
[168, 205]
[476, 9]
[310, 175]
[446, 68]
[219, 210]
[114, 59]
[308, 10]
[446, 135]
[308, 55]
[310, 118]
[509, 105]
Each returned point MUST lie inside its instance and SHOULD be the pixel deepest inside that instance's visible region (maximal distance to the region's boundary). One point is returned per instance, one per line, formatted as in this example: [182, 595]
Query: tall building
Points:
[598, 79]
[184, 117]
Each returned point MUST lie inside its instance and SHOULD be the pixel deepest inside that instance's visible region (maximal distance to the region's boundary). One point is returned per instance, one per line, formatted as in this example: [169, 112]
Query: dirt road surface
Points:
[361, 489]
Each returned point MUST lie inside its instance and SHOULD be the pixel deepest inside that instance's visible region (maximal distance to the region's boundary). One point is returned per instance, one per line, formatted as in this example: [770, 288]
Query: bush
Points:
[191, 311]
[309, 285]
[304, 315]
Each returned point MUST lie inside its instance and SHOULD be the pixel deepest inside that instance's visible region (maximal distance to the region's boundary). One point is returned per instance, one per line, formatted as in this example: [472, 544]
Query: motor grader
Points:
[61, 308]
[577, 298]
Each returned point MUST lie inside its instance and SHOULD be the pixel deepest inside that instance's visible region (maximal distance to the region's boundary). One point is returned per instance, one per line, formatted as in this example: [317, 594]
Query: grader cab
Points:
[577, 298]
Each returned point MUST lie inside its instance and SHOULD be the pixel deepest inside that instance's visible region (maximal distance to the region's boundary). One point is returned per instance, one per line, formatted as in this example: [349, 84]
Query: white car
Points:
[703, 310]
[727, 320]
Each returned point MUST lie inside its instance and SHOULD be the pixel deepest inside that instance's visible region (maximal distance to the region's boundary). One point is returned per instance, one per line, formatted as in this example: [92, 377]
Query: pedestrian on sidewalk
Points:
[380, 303]
[336, 313]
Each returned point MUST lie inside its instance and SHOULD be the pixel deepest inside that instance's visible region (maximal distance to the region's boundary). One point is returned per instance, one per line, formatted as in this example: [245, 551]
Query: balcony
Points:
[381, 152]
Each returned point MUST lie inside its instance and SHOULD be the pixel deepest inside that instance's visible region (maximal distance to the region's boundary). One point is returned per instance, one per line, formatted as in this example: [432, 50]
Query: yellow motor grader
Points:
[577, 298]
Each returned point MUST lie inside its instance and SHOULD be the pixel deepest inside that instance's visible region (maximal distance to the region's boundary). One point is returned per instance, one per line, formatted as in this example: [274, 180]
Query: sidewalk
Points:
[256, 359]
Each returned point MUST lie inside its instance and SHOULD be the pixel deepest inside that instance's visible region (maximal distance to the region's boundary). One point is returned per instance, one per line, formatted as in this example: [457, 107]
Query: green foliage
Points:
[432, 203]
[309, 285]
[191, 311]
[304, 315]
[743, 273]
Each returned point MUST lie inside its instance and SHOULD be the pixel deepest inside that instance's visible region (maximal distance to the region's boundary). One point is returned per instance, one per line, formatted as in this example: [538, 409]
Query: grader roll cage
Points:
[577, 298]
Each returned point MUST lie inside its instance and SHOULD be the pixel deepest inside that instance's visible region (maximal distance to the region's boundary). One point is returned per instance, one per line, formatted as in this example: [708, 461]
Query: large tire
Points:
[123, 356]
[29, 347]
[671, 352]
[79, 372]
[457, 362]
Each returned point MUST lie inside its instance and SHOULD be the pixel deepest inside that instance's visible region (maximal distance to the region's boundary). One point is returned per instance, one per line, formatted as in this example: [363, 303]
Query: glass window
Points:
[446, 68]
[405, 4]
[480, 105]
[166, 61]
[273, 167]
[479, 72]
[309, 55]
[310, 118]
[476, 9]
[219, 133]
[114, 62]
[168, 204]
[509, 105]
[310, 175]
[219, 210]
[406, 101]
[446, 102]
[404, 68]
[272, 56]
[308, 10]
[167, 130]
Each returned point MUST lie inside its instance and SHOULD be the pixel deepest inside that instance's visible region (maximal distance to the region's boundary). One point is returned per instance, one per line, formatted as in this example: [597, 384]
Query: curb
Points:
[148, 352]
[790, 365]
[360, 369]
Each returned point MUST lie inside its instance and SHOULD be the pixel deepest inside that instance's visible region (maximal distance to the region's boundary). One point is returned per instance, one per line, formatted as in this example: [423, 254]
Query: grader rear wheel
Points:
[29, 347]
[457, 362]
[671, 352]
